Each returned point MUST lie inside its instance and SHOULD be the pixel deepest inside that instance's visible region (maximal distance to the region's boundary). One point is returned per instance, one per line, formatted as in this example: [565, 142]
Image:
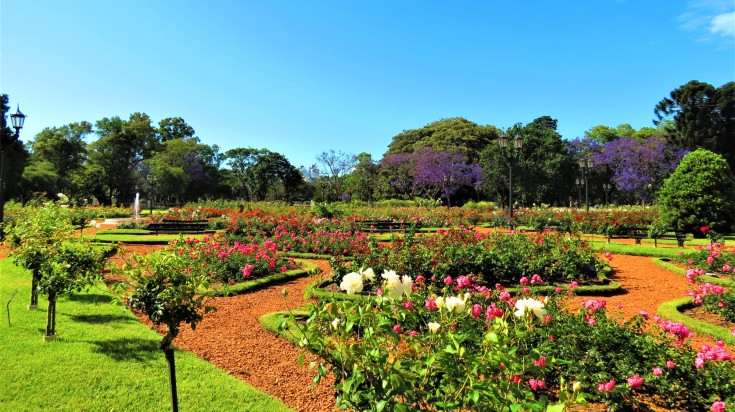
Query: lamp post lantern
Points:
[579, 183]
[586, 165]
[511, 150]
[17, 120]
[607, 187]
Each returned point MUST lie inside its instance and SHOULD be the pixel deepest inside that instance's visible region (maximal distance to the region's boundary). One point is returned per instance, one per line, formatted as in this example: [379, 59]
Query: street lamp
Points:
[579, 183]
[586, 165]
[17, 119]
[510, 152]
[607, 187]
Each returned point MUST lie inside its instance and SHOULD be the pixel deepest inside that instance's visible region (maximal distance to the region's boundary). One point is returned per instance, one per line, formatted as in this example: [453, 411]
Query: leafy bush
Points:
[699, 193]
[494, 258]
[462, 346]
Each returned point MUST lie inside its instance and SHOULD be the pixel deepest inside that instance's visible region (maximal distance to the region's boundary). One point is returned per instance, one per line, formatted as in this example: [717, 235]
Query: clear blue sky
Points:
[302, 77]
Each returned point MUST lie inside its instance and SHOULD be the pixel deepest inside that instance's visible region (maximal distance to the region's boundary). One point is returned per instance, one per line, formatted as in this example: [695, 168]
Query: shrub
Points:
[699, 194]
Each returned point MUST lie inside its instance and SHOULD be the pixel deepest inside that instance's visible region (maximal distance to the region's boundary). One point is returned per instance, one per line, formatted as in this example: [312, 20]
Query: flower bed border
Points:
[672, 310]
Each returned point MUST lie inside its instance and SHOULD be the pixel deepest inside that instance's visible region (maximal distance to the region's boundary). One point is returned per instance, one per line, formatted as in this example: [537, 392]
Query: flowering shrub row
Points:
[492, 258]
[231, 262]
[461, 345]
[715, 258]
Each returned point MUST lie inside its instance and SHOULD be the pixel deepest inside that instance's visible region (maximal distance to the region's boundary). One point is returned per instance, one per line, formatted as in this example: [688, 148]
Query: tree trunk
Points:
[34, 290]
[51, 316]
[168, 351]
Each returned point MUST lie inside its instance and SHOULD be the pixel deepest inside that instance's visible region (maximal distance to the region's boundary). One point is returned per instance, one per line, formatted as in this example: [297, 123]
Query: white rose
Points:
[440, 302]
[434, 327]
[527, 305]
[335, 323]
[368, 274]
[455, 304]
[351, 283]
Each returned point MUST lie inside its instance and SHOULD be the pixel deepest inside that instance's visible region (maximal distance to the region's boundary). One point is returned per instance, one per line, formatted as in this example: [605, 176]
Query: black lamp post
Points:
[510, 152]
[586, 165]
[607, 187]
[17, 119]
[579, 183]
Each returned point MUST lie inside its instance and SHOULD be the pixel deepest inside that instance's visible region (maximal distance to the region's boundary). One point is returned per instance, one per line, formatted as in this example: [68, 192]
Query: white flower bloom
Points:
[466, 296]
[62, 198]
[367, 274]
[434, 327]
[440, 302]
[407, 283]
[455, 304]
[527, 305]
[351, 283]
[336, 322]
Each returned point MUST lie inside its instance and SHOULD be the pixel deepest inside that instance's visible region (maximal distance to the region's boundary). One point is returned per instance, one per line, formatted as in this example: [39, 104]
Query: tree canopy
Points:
[703, 117]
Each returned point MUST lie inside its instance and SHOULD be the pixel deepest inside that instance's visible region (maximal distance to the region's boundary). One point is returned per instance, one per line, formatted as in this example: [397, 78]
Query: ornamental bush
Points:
[463, 346]
[699, 193]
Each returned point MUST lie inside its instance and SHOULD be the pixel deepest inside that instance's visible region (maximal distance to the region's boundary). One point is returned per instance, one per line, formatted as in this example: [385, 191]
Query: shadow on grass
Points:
[128, 349]
[90, 298]
[100, 319]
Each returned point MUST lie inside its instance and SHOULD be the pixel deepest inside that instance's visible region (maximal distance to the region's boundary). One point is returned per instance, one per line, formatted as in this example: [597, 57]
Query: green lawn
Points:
[102, 360]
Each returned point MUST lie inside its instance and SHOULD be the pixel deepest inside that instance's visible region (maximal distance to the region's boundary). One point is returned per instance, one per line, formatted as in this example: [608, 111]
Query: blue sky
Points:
[303, 77]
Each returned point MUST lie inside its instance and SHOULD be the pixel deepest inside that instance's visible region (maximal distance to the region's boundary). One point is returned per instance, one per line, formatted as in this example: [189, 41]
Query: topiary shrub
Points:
[699, 194]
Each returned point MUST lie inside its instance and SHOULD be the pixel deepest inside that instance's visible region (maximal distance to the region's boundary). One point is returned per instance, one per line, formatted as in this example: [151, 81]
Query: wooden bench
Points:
[679, 235]
[179, 226]
[385, 226]
[636, 233]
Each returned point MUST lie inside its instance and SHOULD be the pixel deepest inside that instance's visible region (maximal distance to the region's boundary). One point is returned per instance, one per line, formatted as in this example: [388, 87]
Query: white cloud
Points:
[711, 21]
[723, 24]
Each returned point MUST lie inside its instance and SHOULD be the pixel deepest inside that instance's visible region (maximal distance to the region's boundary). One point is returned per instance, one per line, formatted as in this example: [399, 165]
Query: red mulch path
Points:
[232, 339]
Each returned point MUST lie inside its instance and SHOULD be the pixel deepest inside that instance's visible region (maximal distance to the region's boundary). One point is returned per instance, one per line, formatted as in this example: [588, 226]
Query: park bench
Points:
[385, 226]
[636, 233]
[679, 235]
[179, 226]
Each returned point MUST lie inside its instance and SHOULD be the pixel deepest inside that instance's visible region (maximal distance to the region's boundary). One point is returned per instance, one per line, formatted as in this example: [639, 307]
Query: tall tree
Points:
[121, 146]
[364, 179]
[455, 135]
[333, 168]
[65, 150]
[638, 167]
[183, 169]
[703, 117]
[545, 168]
[172, 128]
[259, 174]
[443, 174]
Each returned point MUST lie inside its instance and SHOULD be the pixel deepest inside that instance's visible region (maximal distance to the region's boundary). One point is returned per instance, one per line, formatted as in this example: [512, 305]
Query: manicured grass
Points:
[102, 360]
[136, 236]
[258, 283]
[672, 310]
[636, 250]
[666, 264]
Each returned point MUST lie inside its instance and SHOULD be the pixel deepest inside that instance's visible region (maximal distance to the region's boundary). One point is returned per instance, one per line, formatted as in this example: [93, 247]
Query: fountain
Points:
[136, 206]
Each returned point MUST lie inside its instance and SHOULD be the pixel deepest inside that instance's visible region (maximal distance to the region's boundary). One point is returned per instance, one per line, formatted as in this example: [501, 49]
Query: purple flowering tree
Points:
[638, 167]
[396, 170]
[442, 174]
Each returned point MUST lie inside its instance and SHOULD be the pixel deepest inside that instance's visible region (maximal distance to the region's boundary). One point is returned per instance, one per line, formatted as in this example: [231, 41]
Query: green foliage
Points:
[167, 288]
[699, 193]
[701, 116]
[450, 135]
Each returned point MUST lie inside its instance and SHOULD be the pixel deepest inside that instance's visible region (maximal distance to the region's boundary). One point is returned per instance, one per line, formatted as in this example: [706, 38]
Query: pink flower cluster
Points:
[635, 381]
[593, 305]
[708, 353]
[677, 329]
[704, 290]
[606, 387]
[692, 274]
